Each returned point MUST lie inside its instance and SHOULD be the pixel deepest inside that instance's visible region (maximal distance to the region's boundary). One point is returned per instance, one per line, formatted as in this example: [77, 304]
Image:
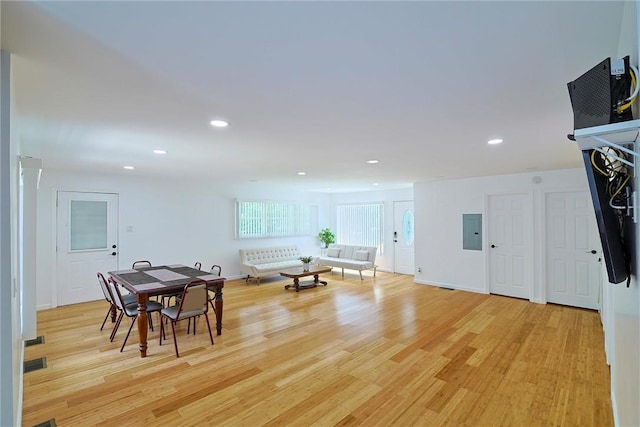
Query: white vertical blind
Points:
[266, 218]
[360, 224]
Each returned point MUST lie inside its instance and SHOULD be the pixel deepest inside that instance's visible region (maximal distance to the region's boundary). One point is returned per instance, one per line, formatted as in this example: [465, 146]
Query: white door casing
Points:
[86, 243]
[509, 245]
[573, 251]
[403, 238]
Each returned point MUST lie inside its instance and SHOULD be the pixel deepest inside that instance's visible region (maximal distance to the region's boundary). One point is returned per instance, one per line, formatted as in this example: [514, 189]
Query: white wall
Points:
[624, 330]
[439, 206]
[173, 221]
[384, 260]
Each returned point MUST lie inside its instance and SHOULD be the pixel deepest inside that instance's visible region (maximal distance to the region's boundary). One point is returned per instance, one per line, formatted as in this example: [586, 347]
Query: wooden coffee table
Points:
[297, 273]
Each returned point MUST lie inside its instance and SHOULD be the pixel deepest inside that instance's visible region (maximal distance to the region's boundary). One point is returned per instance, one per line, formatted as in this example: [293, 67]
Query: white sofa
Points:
[351, 257]
[269, 261]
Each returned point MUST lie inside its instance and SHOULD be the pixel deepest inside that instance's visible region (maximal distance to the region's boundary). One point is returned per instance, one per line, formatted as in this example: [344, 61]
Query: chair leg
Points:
[209, 326]
[116, 326]
[175, 342]
[133, 320]
[161, 331]
[189, 325]
[105, 318]
[360, 271]
[150, 321]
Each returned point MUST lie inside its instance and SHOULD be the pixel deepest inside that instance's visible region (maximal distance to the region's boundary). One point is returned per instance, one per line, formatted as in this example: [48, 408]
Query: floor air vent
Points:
[50, 423]
[35, 364]
[35, 341]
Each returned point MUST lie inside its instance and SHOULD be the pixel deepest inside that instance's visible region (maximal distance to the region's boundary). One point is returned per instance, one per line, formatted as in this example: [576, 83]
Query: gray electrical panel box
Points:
[472, 232]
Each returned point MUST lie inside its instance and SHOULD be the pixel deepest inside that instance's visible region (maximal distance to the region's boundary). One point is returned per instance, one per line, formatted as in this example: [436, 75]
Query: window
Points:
[88, 225]
[360, 224]
[265, 218]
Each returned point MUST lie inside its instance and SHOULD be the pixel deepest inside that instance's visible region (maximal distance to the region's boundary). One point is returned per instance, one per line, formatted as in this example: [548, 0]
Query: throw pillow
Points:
[333, 252]
[361, 255]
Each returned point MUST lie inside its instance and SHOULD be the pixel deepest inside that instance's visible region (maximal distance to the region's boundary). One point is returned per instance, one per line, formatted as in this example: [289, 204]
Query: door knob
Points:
[114, 246]
[493, 246]
[113, 253]
[593, 251]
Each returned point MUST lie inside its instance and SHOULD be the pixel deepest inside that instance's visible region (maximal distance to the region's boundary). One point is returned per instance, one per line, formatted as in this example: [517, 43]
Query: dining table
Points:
[145, 282]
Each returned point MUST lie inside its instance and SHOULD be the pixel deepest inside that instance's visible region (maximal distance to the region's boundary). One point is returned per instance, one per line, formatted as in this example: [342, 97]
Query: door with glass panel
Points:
[403, 233]
[87, 242]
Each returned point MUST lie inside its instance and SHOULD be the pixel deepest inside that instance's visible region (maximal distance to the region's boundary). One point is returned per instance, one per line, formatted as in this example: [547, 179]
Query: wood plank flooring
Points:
[383, 351]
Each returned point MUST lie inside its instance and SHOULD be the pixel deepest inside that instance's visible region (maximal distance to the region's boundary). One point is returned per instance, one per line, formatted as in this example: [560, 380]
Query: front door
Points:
[87, 243]
[403, 236]
[574, 273]
[509, 245]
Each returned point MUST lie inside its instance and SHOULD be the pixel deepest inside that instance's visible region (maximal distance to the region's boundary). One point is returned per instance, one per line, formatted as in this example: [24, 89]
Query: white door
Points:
[87, 243]
[403, 235]
[573, 251]
[509, 245]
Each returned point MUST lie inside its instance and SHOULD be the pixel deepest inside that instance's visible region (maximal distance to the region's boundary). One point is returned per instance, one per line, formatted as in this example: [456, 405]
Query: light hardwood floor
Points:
[383, 351]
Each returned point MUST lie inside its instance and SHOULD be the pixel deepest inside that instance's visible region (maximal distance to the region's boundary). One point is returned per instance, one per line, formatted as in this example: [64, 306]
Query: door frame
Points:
[54, 235]
[543, 241]
[530, 231]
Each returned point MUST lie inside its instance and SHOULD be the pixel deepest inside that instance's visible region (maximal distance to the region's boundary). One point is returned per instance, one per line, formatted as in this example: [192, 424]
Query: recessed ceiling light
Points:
[219, 123]
[160, 151]
[302, 173]
[373, 162]
[375, 183]
[494, 141]
[129, 168]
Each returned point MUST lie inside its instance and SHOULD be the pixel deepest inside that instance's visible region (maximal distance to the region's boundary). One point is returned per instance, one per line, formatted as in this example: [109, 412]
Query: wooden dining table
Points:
[145, 282]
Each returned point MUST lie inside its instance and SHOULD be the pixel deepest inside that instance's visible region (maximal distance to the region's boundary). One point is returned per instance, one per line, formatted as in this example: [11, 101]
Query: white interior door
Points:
[403, 237]
[509, 245]
[573, 251]
[87, 243]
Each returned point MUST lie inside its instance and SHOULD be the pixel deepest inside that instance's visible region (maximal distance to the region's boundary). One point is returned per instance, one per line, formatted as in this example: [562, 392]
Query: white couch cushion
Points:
[333, 252]
[361, 255]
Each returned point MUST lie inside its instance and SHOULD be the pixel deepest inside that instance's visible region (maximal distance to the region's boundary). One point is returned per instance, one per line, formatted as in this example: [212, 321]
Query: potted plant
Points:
[327, 236]
[306, 260]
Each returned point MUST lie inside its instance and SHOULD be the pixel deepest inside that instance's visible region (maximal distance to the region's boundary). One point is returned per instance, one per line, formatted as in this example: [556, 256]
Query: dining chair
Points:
[130, 310]
[137, 264]
[198, 265]
[127, 298]
[193, 303]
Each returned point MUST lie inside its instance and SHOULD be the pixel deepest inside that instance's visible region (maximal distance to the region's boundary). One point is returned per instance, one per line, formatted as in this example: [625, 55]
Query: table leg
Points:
[296, 283]
[316, 280]
[218, 305]
[142, 323]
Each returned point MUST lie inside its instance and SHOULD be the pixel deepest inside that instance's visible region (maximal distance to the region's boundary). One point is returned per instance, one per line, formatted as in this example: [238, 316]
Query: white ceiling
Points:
[319, 87]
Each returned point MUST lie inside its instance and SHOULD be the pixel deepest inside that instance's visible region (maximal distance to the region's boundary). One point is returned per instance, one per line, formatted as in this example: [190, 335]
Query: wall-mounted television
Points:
[610, 192]
[603, 96]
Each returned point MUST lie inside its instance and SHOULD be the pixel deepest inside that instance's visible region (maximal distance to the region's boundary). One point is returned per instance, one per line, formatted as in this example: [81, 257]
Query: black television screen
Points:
[614, 225]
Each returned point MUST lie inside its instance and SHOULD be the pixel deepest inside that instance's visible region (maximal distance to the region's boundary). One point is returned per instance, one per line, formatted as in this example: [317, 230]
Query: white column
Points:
[30, 170]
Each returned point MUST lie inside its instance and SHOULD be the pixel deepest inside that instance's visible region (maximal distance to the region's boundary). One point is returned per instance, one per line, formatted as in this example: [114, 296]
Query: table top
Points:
[298, 272]
[163, 279]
